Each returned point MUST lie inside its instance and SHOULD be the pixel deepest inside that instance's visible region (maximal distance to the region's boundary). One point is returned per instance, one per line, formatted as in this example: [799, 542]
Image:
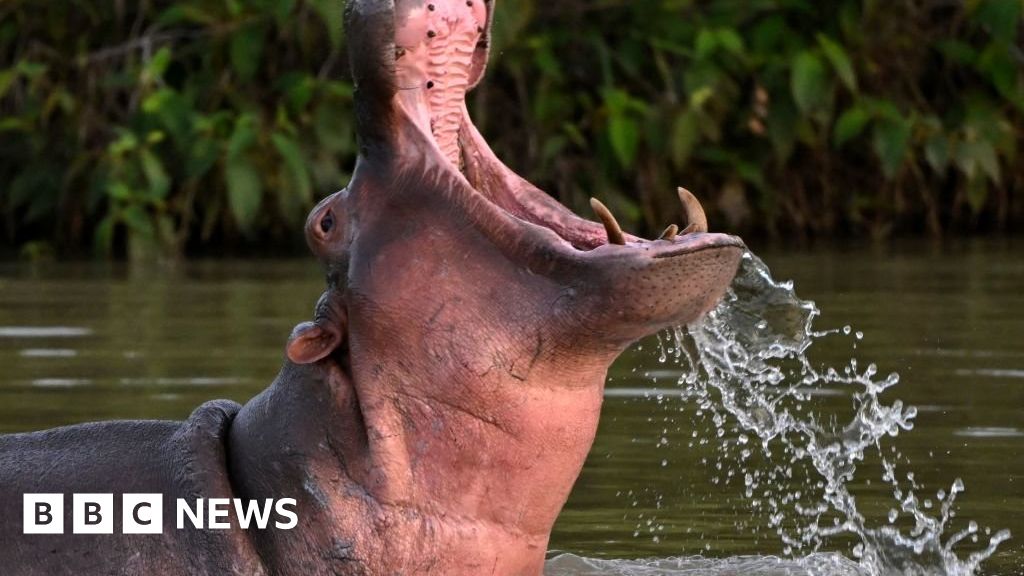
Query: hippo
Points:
[434, 414]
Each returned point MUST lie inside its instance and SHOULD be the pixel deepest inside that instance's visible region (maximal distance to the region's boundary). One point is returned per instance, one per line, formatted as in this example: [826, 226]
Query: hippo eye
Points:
[327, 223]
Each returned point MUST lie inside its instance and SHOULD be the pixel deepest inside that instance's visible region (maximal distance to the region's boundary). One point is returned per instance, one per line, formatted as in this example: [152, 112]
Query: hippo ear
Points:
[311, 342]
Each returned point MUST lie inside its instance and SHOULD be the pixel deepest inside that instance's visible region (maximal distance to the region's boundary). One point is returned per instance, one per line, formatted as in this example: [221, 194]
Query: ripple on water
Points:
[992, 373]
[191, 381]
[642, 392]
[48, 353]
[813, 565]
[167, 397]
[955, 353]
[59, 382]
[989, 432]
[44, 332]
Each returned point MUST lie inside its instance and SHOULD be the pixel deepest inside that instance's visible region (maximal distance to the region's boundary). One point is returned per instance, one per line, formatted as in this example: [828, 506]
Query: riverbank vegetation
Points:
[197, 127]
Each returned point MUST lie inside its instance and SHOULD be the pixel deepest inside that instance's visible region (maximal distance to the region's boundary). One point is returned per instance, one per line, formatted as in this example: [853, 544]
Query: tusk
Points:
[611, 227]
[670, 233]
[696, 220]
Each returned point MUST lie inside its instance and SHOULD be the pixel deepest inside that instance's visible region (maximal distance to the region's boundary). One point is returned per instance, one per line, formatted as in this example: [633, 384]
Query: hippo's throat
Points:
[435, 44]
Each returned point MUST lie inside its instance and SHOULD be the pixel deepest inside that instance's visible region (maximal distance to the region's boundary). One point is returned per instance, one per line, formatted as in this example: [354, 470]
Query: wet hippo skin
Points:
[177, 459]
[434, 414]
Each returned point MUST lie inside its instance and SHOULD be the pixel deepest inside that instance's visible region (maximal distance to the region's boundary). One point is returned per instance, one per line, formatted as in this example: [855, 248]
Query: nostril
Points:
[327, 222]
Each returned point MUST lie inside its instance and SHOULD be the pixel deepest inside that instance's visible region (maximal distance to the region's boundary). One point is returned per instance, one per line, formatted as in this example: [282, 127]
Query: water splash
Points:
[746, 368]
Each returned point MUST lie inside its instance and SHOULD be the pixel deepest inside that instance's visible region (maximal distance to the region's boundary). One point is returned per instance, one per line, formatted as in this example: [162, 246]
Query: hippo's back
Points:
[172, 459]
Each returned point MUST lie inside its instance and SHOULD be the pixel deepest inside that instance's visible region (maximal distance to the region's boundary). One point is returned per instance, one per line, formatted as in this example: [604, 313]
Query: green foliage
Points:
[160, 128]
[148, 128]
[786, 117]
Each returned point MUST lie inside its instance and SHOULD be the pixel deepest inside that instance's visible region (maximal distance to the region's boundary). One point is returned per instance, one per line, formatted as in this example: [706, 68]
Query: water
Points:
[831, 564]
[747, 370]
[742, 425]
[86, 342]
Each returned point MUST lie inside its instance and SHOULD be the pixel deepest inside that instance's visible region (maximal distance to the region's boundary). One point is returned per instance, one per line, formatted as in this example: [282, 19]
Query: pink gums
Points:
[436, 42]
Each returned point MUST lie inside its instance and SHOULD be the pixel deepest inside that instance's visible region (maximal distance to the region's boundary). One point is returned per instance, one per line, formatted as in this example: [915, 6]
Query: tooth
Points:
[670, 233]
[611, 227]
[696, 220]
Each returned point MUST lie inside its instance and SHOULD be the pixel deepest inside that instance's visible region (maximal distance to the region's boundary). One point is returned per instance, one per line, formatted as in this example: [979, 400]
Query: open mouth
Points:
[440, 53]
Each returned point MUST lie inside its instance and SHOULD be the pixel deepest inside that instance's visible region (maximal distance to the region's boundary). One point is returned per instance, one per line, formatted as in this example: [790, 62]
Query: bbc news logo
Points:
[143, 514]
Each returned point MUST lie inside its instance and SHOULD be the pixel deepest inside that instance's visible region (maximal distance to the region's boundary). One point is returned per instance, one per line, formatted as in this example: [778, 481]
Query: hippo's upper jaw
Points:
[450, 385]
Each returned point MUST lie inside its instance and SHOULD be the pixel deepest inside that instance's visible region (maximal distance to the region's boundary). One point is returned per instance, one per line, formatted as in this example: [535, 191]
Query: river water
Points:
[679, 475]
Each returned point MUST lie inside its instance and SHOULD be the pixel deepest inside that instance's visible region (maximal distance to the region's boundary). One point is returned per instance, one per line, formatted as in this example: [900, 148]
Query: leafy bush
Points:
[788, 116]
[160, 125]
[170, 127]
